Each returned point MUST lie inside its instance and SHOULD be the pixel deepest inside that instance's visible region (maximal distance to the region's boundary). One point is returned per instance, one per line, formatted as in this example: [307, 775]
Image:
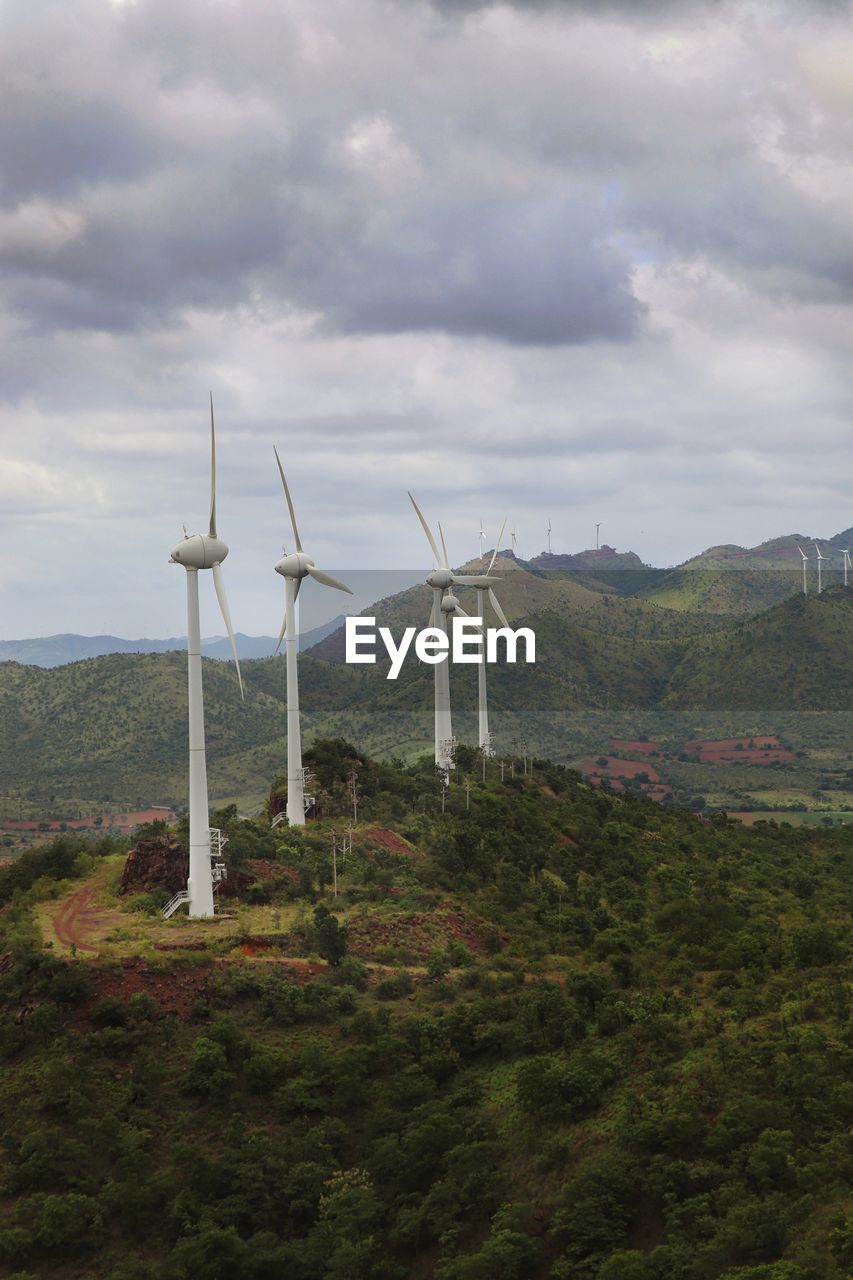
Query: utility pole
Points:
[335, 864]
[502, 770]
[467, 794]
[353, 782]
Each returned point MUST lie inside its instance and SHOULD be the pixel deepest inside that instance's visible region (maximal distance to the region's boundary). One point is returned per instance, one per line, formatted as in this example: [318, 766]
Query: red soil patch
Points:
[618, 768]
[123, 822]
[390, 840]
[563, 840]
[176, 989]
[766, 749]
[416, 932]
[638, 748]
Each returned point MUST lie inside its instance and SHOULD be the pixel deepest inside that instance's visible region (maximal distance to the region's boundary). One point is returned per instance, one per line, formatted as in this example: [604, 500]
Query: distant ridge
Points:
[59, 650]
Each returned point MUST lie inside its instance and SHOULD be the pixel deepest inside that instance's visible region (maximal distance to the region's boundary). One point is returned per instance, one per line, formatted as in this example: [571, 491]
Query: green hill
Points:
[794, 655]
[546, 1034]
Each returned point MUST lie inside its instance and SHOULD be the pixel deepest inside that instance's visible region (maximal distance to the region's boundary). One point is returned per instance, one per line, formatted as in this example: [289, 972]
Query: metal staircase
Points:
[177, 900]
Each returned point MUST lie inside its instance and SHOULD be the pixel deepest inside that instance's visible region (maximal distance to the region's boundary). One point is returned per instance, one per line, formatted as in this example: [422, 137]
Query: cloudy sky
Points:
[582, 260]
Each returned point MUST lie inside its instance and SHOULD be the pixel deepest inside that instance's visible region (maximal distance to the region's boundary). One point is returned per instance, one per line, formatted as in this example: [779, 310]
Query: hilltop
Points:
[549, 1033]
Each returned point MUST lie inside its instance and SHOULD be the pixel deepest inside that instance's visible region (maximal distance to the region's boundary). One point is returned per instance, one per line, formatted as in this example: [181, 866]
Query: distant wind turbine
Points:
[482, 540]
[485, 740]
[293, 568]
[846, 564]
[805, 567]
[549, 537]
[820, 558]
[202, 551]
[444, 606]
[514, 541]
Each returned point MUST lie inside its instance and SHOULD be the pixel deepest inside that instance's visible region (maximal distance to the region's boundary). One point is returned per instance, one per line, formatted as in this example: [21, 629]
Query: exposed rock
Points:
[156, 862]
[159, 862]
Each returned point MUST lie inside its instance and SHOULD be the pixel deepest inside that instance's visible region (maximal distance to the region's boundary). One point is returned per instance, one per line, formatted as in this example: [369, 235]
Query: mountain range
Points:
[698, 651]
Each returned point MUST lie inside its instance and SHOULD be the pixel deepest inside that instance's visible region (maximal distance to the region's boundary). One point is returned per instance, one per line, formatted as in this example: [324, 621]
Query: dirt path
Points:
[80, 921]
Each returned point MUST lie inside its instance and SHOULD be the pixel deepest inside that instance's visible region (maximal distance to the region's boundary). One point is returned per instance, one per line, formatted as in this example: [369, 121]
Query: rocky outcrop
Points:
[157, 862]
[160, 862]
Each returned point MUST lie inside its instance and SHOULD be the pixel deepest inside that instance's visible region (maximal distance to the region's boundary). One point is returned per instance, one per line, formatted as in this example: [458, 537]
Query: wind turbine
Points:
[846, 564]
[482, 540]
[443, 607]
[202, 551]
[820, 558]
[293, 568]
[514, 541]
[549, 536]
[805, 567]
[482, 700]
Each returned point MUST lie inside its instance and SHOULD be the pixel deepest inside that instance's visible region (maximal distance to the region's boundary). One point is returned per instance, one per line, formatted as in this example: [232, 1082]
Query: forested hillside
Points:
[549, 1033]
[112, 730]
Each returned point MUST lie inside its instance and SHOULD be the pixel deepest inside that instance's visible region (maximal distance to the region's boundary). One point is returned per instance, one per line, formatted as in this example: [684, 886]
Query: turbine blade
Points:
[461, 612]
[296, 590]
[327, 580]
[289, 501]
[497, 547]
[493, 601]
[434, 611]
[226, 618]
[427, 531]
[445, 564]
[474, 579]
[212, 526]
[280, 634]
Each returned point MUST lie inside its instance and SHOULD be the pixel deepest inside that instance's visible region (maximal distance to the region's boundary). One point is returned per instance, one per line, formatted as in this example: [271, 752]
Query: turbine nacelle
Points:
[200, 551]
[297, 565]
[449, 603]
[441, 579]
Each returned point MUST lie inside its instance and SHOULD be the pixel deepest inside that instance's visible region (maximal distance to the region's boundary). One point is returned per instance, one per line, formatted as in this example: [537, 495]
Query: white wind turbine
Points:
[549, 536]
[846, 564]
[482, 700]
[820, 558]
[514, 541]
[293, 568]
[443, 607]
[202, 551]
[482, 540]
[805, 568]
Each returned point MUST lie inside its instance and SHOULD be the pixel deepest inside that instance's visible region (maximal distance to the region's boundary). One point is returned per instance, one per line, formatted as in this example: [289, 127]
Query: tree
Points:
[331, 938]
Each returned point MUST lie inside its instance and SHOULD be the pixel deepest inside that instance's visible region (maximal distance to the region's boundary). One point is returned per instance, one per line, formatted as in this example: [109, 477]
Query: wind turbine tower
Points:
[549, 536]
[597, 528]
[485, 740]
[482, 540]
[846, 564]
[294, 568]
[202, 551]
[443, 607]
[805, 568]
[820, 559]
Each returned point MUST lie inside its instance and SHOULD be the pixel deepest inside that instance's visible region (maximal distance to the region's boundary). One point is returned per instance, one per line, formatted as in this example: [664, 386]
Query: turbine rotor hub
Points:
[296, 565]
[200, 551]
[449, 603]
[440, 578]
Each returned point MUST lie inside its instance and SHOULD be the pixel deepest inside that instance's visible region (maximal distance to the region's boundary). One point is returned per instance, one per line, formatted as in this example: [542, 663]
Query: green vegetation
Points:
[111, 731]
[561, 1034]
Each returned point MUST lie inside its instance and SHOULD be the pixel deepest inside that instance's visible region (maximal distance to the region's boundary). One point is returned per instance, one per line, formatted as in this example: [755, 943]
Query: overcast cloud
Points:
[570, 261]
